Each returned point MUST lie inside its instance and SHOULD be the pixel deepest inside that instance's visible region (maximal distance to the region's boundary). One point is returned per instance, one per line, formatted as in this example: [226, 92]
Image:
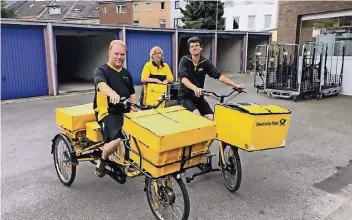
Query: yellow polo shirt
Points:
[151, 71]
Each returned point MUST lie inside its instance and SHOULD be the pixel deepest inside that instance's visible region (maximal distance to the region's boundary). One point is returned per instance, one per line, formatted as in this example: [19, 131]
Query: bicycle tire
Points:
[185, 196]
[238, 169]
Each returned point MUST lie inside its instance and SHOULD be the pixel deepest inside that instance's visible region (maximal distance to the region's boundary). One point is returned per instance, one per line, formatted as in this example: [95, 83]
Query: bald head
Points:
[117, 53]
[117, 42]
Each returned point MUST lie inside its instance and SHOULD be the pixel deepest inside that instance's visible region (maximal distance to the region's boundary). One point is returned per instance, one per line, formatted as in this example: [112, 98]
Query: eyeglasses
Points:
[193, 46]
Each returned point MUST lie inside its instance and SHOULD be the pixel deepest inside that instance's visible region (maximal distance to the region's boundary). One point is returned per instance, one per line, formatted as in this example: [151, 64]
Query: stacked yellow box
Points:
[161, 135]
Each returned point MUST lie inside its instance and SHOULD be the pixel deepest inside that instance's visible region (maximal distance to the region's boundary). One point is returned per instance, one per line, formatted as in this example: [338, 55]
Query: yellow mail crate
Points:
[252, 127]
[162, 135]
[152, 92]
[93, 132]
[75, 117]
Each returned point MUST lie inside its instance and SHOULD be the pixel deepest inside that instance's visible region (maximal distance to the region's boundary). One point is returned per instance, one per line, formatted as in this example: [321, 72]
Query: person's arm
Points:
[169, 75]
[216, 74]
[102, 86]
[133, 95]
[146, 73]
[183, 74]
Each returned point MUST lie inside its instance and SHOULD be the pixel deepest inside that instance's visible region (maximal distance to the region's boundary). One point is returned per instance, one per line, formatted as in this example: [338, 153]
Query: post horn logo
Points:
[282, 122]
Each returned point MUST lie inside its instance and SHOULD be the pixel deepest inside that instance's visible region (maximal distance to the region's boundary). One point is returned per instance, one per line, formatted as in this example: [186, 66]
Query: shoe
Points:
[100, 168]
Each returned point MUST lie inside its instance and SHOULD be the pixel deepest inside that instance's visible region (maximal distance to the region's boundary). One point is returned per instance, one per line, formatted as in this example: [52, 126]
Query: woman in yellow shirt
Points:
[156, 70]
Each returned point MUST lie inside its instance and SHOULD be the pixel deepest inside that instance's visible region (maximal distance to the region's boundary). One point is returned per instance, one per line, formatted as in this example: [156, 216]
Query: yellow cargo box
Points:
[252, 127]
[161, 136]
[93, 132]
[75, 117]
[152, 92]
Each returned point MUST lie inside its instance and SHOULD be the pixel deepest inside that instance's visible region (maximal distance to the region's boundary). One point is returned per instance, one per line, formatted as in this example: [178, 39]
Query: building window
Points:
[251, 22]
[177, 4]
[228, 3]
[121, 9]
[149, 7]
[104, 10]
[135, 7]
[55, 10]
[236, 23]
[177, 22]
[136, 23]
[267, 21]
[162, 23]
[162, 5]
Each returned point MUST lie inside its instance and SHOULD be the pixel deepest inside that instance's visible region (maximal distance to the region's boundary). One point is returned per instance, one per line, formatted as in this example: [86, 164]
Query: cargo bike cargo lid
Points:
[257, 109]
[169, 128]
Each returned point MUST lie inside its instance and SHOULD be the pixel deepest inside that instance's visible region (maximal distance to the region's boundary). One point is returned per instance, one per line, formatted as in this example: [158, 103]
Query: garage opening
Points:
[229, 54]
[253, 42]
[78, 54]
[183, 47]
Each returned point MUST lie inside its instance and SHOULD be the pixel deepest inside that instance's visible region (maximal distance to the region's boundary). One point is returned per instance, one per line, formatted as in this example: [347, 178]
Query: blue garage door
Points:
[23, 63]
[139, 45]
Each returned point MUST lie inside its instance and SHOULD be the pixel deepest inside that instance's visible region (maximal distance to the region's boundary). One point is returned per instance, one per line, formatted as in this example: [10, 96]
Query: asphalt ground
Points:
[308, 179]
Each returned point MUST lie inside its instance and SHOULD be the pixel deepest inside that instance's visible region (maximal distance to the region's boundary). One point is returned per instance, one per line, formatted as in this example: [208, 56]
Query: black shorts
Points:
[111, 127]
[201, 104]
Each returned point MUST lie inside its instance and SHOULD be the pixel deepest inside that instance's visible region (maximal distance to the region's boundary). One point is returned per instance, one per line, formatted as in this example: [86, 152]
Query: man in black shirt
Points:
[112, 81]
[192, 71]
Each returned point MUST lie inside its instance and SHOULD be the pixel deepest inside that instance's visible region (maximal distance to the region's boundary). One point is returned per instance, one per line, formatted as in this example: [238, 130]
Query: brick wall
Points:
[111, 17]
[290, 12]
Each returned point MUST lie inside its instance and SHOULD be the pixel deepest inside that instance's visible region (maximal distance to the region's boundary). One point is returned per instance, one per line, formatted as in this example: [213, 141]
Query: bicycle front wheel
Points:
[168, 198]
[232, 172]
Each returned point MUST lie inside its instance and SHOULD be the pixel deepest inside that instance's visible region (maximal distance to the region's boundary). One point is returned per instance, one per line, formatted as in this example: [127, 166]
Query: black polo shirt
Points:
[195, 74]
[119, 81]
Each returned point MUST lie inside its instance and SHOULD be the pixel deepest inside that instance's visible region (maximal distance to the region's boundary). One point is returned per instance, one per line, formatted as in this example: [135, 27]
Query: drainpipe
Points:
[52, 59]
[176, 53]
[124, 39]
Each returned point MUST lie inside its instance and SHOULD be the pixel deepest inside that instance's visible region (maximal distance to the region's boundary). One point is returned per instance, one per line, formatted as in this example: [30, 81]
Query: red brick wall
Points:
[111, 17]
[290, 11]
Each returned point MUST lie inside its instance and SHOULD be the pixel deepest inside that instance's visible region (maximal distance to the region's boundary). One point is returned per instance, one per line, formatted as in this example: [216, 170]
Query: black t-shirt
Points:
[195, 74]
[121, 82]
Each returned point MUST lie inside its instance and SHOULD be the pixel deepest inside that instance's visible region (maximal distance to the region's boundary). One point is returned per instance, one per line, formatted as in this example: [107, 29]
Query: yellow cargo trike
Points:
[159, 143]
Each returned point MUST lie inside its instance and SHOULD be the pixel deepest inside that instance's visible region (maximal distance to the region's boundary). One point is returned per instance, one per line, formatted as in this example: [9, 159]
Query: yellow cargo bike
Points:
[160, 143]
[164, 140]
[247, 126]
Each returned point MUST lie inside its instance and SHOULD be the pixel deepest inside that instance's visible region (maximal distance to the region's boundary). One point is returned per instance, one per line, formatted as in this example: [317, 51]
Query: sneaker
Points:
[100, 168]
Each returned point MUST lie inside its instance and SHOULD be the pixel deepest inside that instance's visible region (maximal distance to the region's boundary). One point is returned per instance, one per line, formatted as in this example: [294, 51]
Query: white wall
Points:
[94, 53]
[239, 8]
[206, 47]
[176, 13]
[229, 55]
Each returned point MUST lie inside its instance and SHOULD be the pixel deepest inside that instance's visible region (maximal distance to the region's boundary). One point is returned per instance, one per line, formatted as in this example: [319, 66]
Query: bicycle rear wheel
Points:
[165, 201]
[232, 173]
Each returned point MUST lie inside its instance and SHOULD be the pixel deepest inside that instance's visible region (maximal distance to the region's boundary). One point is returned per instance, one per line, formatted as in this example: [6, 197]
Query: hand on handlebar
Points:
[239, 87]
[114, 98]
[198, 92]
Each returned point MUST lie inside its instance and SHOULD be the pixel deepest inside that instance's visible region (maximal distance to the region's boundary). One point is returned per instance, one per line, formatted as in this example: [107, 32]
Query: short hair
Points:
[117, 42]
[194, 40]
[152, 51]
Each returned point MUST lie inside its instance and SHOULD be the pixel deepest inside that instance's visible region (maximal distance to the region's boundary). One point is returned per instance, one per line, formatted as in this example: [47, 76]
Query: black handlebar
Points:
[222, 97]
[127, 102]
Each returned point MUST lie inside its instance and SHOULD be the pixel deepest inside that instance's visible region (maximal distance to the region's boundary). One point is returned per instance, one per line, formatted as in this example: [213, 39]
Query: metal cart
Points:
[333, 69]
[282, 74]
[261, 58]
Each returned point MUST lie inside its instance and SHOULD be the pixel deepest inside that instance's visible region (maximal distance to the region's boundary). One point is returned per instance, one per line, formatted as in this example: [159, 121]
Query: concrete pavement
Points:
[277, 184]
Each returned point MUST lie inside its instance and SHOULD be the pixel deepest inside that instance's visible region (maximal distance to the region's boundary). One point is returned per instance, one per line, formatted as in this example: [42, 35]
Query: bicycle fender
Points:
[67, 141]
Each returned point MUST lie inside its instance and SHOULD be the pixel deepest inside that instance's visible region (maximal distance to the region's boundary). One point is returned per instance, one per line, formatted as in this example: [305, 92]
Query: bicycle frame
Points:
[208, 167]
